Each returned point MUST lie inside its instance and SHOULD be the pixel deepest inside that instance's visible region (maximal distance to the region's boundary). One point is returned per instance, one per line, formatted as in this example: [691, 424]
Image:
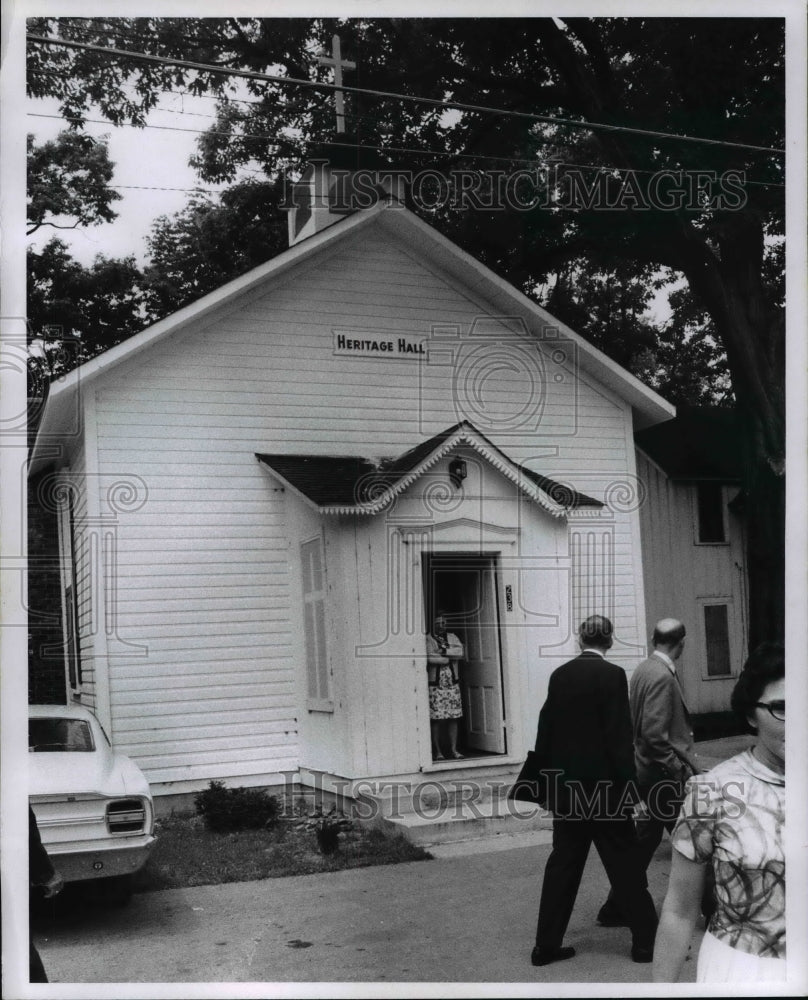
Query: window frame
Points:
[729, 604]
[71, 643]
[317, 669]
[697, 513]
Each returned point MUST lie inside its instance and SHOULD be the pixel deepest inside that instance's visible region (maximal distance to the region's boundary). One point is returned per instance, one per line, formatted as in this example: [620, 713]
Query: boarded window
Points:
[318, 679]
[710, 502]
[716, 634]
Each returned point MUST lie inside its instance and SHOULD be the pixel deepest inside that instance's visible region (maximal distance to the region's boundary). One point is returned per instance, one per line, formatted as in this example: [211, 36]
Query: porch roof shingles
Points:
[354, 482]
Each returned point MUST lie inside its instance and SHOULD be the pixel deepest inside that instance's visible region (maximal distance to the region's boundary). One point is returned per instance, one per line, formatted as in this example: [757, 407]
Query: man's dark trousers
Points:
[663, 800]
[616, 843]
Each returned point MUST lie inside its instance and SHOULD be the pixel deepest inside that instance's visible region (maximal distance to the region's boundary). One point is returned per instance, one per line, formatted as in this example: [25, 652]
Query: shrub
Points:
[327, 831]
[236, 808]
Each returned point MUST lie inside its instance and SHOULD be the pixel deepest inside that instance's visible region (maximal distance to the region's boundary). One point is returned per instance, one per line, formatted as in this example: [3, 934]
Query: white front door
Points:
[482, 675]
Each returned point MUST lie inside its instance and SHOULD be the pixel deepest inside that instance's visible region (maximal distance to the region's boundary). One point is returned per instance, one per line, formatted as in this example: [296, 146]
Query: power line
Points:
[356, 116]
[223, 98]
[161, 128]
[409, 151]
[144, 187]
[453, 105]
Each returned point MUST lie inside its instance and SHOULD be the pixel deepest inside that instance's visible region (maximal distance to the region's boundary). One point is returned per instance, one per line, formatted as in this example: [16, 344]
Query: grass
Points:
[187, 854]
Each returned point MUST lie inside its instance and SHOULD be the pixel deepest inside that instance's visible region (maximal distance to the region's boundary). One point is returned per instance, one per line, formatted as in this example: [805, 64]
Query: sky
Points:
[146, 160]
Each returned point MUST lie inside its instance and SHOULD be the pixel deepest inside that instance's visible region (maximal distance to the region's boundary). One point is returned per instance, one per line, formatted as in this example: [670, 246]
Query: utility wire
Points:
[454, 105]
[370, 118]
[388, 149]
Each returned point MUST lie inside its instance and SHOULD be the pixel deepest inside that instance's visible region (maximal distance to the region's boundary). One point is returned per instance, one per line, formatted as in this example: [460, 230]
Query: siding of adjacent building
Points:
[682, 576]
[202, 566]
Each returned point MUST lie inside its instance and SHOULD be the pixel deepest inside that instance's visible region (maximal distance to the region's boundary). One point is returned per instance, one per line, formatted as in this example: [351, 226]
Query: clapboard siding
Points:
[680, 575]
[203, 576]
[387, 684]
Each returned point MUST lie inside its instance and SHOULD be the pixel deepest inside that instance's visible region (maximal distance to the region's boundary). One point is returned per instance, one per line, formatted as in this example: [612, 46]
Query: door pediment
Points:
[465, 533]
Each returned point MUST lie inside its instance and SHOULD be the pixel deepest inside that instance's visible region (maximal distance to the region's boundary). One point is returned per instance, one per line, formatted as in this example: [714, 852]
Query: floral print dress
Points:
[444, 691]
[733, 818]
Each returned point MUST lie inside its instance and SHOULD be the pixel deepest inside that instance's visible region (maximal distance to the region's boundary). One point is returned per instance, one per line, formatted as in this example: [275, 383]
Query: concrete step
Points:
[486, 845]
[425, 792]
[459, 820]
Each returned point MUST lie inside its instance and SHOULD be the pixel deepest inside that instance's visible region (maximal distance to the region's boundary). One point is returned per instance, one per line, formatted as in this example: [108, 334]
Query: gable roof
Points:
[400, 224]
[700, 443]
[354, 485]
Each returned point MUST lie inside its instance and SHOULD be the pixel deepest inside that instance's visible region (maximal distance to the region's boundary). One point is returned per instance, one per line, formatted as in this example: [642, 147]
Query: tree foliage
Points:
[68, 178]
[717, 78]
[75, 312]
[212, 242]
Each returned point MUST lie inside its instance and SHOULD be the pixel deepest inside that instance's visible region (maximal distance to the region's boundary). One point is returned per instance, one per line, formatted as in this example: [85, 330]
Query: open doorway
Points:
[464, 587]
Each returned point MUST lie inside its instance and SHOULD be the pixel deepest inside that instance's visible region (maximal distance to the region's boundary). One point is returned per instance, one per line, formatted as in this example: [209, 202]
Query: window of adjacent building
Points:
[318, 677]
[716, 637]
[710, 509]
[67, 541]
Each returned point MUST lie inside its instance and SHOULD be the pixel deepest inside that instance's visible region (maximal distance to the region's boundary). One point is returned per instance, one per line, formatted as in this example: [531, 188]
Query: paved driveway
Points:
[458, 919]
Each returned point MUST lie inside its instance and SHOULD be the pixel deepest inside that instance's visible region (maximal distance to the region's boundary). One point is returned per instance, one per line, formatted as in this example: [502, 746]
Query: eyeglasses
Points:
[777, 709]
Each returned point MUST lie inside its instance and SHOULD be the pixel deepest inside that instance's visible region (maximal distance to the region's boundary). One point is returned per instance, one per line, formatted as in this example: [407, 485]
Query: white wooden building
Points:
[694, 546]
[264, 497]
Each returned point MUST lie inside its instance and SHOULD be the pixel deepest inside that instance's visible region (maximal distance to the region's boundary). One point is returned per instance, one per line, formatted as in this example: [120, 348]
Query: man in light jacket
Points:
[664, 752]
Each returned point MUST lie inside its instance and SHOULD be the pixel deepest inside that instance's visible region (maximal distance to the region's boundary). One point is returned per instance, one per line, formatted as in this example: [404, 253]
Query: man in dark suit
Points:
[663, 748]
[44, 877]
[584, 750]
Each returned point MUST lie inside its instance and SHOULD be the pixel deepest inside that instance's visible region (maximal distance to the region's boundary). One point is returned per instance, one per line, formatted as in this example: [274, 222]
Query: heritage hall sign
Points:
[380, 344]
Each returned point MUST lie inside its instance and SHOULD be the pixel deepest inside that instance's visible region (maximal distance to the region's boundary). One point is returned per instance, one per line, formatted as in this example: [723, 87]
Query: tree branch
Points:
[55, 225]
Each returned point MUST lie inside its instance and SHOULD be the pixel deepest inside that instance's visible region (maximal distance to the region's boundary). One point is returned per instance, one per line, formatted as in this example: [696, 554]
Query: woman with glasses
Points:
[733, 818]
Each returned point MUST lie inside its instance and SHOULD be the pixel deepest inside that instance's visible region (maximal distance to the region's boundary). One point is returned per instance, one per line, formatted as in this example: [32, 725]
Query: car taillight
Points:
[126, 816]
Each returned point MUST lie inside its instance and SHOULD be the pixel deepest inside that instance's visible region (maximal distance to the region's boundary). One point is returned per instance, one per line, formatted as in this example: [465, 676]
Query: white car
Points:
[92, 804]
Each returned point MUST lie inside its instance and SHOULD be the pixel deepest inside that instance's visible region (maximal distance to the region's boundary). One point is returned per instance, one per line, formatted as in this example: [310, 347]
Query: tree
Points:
[210, 243]
[722, 79]
[69, 178]
[74, 312]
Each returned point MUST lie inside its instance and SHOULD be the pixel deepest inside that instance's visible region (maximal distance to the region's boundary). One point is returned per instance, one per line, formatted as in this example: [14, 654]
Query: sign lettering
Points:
[377, 344]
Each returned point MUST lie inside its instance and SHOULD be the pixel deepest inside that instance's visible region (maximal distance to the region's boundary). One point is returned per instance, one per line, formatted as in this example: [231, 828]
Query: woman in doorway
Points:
[443, 650]
[732, 818]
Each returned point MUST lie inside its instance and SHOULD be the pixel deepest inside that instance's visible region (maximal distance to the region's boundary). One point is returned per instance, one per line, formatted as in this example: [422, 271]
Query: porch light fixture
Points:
[457, 471]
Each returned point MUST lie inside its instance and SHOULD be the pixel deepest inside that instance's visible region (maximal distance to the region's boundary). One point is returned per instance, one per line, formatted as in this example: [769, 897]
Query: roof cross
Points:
[336, 60]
